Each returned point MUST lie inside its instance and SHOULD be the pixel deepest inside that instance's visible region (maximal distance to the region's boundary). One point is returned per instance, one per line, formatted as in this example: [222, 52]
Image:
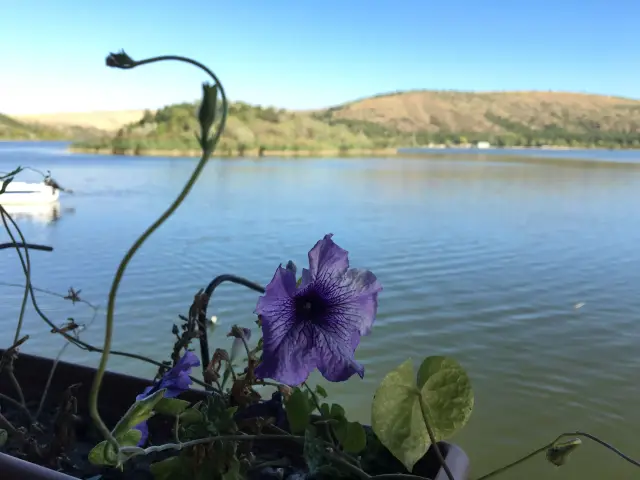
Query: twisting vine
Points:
[207, 116]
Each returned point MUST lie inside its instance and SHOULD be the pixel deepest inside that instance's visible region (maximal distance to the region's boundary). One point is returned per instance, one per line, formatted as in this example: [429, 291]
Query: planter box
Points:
[32, 372]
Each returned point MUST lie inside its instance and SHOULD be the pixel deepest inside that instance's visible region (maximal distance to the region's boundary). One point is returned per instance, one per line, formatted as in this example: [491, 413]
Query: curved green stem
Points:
[548, 446]
[54, 329]
[432, 437]
[26, 265]
[210, 146]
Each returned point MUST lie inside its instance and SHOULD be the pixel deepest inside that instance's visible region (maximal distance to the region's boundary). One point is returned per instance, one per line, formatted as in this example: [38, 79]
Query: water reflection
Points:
[44, 214]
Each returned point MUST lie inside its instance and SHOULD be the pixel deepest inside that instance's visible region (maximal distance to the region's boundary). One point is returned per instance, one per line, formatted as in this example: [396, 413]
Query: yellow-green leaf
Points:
[446, 394]
[396, 416]
[138, 412]
[171, 406]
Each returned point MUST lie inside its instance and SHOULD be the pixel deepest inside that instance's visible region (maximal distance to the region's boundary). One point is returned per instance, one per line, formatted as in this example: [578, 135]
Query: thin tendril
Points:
[26, 266]
[550, 445]
[210, 146]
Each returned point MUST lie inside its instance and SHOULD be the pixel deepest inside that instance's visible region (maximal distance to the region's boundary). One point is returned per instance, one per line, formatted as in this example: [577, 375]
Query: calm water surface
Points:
[482, 260]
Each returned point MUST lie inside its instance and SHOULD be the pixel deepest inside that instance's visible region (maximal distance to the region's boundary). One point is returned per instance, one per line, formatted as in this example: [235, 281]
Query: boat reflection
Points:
[42, 213]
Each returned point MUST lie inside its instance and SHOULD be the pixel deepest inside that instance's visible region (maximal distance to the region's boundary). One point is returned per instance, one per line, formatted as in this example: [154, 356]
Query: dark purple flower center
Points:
[311, 307]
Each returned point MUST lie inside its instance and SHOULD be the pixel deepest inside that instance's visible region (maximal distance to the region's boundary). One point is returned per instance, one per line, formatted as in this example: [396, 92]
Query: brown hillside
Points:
[109, 121]
[435, 111]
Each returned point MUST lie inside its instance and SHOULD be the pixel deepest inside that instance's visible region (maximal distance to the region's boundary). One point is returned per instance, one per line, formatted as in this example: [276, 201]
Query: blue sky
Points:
[310, 54]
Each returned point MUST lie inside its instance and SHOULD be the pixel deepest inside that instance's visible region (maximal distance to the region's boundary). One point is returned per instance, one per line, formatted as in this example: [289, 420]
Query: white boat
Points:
[22, 193]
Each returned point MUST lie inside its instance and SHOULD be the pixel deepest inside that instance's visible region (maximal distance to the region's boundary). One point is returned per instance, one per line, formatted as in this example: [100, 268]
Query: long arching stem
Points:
[208, 148]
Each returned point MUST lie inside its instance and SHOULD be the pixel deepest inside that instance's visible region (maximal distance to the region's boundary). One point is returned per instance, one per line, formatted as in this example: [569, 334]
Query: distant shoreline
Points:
[354, 152]
[253, 153]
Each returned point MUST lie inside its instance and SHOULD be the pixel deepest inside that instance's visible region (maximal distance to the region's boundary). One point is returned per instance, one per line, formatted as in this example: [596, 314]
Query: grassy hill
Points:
[13, 129]
[503, 118]
[400, 119]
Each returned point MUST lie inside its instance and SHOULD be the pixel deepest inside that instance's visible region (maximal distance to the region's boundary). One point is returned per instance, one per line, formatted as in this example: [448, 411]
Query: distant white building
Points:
[483, 145]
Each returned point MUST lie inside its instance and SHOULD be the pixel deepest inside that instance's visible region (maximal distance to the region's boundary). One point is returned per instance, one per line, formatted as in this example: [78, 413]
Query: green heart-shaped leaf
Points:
[441, 395]
[446, 395]
[396, 416]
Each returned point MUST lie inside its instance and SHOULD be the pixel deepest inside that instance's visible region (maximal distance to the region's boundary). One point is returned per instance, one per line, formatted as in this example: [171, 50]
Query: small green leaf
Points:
[171, 406]
[171, 468]
[325, 411]
[191, 416]
[446, 395]
[103, 454]
[297, 408]
[352, 436]
[299, 282]
[4, 436]
[396, 416]
[130, 439]
[337, 411]
[138, 412]
[559, 453]
[321, 391]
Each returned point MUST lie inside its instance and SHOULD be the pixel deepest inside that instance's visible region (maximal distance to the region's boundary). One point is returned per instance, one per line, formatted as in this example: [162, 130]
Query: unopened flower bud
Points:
[207, 112]
[238, 332]
[221, 355]
[120, 60]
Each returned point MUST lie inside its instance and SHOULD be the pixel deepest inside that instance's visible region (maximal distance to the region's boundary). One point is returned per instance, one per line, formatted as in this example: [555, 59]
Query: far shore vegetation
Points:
[374, 126]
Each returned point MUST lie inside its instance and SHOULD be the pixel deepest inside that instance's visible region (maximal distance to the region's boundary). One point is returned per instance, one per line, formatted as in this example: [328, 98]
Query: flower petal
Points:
[288, 356]
[364, 287]
[176, 384]
[335, 356]
[144, 393]
[188, 361]
[144, 429]
[281, 288]
[327, 258]
[305, 279]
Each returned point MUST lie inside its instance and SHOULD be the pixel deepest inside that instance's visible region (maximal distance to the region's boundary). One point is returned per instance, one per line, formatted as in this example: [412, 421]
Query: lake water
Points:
[481, 258]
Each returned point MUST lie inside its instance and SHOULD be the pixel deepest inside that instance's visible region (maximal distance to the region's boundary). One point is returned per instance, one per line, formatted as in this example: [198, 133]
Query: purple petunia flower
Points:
[317, 324]
[175, 381]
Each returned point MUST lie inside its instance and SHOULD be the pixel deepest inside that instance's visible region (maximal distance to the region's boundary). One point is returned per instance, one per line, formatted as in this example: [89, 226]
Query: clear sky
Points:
[308, 54]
